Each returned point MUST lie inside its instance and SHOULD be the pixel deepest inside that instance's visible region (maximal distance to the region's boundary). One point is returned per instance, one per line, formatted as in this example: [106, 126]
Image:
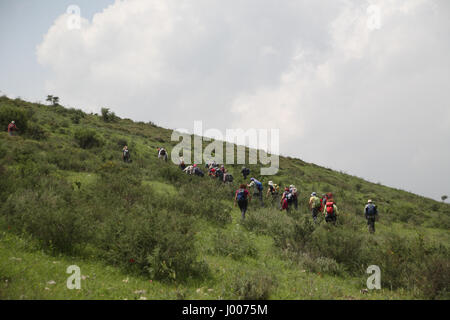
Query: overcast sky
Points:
[357, 86]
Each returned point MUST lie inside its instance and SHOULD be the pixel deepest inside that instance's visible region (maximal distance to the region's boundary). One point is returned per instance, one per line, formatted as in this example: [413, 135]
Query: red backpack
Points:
[330, 208]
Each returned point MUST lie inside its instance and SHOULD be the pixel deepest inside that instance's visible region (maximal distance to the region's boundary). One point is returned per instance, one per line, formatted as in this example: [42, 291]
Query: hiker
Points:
[224, 173]
[189, 169]
[371, 213]
[197, 171]
[273, 192]
[286, 200]
[162, 154]
[294, 192]
[212, 172]
[219, 174]
[330, 211]
[182, 165]
[242, 197]
[11, 128]
[126, 154]
[245, 172]
[314, 206]
[258, 189]
[273, 189]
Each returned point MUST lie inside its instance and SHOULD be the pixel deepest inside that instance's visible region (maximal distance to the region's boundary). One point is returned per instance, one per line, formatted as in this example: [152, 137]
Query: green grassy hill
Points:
[145, 230]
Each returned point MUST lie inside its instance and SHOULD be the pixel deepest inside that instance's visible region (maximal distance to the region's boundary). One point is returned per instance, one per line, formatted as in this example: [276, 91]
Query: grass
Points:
[147, 230]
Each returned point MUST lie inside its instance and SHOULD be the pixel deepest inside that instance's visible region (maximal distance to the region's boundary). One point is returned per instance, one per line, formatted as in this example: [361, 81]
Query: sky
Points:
[357, 86]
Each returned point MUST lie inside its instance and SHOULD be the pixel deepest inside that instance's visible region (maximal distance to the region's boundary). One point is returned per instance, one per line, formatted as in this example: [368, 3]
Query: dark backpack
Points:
[371, 210]
[162, 152]
[246, 171]
[259, 185]
[219, 174]
[198, 172]
[241, 195]
[229, 178]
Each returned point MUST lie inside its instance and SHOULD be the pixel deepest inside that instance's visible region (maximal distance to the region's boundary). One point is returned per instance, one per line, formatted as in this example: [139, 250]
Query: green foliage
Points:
[36, 132]
[108, 116]
[254, 285]
[150, 219]
[87, 138]
[236, 244]
[9, 113]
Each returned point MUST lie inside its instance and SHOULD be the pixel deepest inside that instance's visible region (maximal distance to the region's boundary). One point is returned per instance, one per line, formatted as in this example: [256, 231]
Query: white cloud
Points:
[370, 101]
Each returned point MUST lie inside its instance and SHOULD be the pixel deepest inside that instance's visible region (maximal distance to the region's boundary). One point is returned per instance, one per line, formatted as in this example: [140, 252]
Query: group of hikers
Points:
[288, 199]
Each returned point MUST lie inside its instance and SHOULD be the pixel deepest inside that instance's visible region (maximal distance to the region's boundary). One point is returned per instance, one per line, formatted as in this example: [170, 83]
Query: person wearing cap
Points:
[314, 206]
[371, 214]
[12, 127]
[258, 189]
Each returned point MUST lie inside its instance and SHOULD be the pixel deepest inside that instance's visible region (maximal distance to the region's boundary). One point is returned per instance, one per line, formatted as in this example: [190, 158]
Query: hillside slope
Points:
[146, 230]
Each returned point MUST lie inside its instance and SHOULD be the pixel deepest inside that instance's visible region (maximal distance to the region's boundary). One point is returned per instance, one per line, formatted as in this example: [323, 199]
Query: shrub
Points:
[160, 245]
[87, 138]
[45, 215]
[236, 244]
[37, 132]
[255, 285]
[8, 114]
[108, 116]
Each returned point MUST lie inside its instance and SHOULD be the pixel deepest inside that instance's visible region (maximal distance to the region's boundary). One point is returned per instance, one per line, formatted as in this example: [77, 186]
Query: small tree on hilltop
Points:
[444, 197]
[107, 115]
[49, 98]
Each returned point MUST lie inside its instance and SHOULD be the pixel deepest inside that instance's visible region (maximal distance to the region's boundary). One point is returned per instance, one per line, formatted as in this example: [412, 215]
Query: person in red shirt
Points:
[11, 128]
[242, 197]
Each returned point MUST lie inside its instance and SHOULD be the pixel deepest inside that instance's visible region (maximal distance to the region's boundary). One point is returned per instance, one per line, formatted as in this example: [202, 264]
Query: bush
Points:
[36, 131]
[8, 114]
[46, 216]
[253, 286]
[108, 116]
[323, 265]
[159, 245]
[235, 245]
[87, 138]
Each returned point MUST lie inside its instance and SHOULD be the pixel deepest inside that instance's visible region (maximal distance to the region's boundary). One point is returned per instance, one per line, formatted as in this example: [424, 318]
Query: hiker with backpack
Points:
[12, 128]
[371, 214]
[245, 172]
[258, 189]
[196, 171]
[273, 192]
[330, 211]
[314, 206]
[182, 165]
[286, 200]
[294, 192]
[242, 197]
[162, 154]
[126, 154]
[189, 169]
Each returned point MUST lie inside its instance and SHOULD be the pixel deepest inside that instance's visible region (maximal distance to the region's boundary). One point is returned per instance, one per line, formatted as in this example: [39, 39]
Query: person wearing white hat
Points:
[371, 214]
[12, 127]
